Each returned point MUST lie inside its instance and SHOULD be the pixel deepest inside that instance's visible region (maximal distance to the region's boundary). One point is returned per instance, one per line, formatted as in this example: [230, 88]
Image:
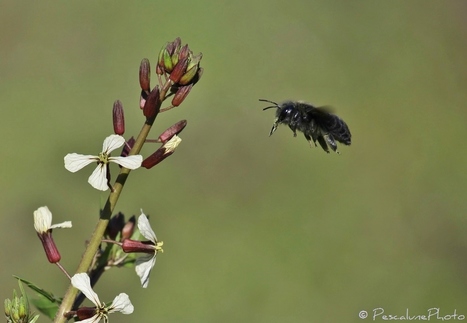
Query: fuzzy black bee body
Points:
[316, 123]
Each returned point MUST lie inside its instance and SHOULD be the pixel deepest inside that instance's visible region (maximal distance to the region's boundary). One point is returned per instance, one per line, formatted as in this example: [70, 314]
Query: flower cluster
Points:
[114, 242]
[178, 65]
[17, 308]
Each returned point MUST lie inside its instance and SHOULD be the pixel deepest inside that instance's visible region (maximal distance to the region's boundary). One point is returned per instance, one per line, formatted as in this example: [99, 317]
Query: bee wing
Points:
[326, 108]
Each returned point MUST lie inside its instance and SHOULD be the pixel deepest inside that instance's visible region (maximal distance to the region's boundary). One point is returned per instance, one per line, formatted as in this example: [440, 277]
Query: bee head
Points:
[276, 121]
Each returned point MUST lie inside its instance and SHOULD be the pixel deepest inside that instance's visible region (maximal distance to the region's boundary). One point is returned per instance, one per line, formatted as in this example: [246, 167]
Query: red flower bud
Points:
[172, 130]
[179, 70]
[127, 147]
[129, 228]
[129, 245]
[174, 47]
[181, 94]
[162, 153]
[118, 118]
[145, 75]
[51, 250]
[185, 52]
[158, 156]
[86, 312]
[115, 225]
[153, 104]
[191, 70]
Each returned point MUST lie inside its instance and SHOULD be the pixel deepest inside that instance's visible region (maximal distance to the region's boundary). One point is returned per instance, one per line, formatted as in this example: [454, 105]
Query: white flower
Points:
[43, 221]
[144, 264]
[98, 179]
[121, 303]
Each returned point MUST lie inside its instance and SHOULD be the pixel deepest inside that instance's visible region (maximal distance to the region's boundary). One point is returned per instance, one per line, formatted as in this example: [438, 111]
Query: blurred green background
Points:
[255, 229]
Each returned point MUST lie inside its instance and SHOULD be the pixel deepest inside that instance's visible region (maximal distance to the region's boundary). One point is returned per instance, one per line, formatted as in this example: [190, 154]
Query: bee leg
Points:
[323, 144]
[311, 141]
[274, 127]
[294, 129]
[331, 142]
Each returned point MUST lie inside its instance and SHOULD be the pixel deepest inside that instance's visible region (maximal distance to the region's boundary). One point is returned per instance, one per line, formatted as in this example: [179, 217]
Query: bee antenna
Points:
[270, 107]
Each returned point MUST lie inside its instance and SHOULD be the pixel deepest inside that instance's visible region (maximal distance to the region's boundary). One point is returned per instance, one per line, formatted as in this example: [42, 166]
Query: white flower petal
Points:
[74, 162]
[82, 282]
[66, 224]
[98, 178]
[172, 143]
[144, 265]
[145, 228]
[42, 219]
[130, 162]
[122, 304]
[112, 142]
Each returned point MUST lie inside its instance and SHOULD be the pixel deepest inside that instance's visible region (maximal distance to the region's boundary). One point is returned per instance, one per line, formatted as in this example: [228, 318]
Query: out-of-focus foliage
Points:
[256, 229]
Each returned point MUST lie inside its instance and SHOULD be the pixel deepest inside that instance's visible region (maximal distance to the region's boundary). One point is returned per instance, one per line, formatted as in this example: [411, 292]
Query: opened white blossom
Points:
[121, 303]
[98, 179]
[43, 221]
[144, 264]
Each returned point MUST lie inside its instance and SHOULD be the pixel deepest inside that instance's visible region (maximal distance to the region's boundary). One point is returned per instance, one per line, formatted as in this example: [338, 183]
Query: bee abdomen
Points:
[339, 129]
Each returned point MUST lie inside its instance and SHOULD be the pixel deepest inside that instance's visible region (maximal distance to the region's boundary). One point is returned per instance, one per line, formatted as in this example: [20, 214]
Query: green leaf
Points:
[39, 290]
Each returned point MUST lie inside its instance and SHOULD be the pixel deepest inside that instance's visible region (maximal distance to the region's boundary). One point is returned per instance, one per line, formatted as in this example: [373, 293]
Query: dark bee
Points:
[316, 123]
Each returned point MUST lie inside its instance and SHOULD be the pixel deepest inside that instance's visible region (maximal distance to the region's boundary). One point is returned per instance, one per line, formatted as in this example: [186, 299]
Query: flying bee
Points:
[316, 123]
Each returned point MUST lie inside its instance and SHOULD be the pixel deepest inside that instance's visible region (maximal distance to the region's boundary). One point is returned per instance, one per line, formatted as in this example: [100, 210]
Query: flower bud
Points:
[162, 153]
[129, 228]
[158, 156]
[85, 312]
[115, 225]
[159, 69]
[179, 70]
[17, 309]
[165, 61]
[181, 94]
[185, 52]
[153, 104]
[145, 75]
[127, 147]
[174, 47]
[118, 118]
[129, 245]
[51, 250]
[191, 70]
[168, 57]
[143, 98]
[172, 130]
[23, 309]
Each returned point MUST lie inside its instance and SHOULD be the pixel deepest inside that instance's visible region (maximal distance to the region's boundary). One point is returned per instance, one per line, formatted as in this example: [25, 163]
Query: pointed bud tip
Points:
[172, 130]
